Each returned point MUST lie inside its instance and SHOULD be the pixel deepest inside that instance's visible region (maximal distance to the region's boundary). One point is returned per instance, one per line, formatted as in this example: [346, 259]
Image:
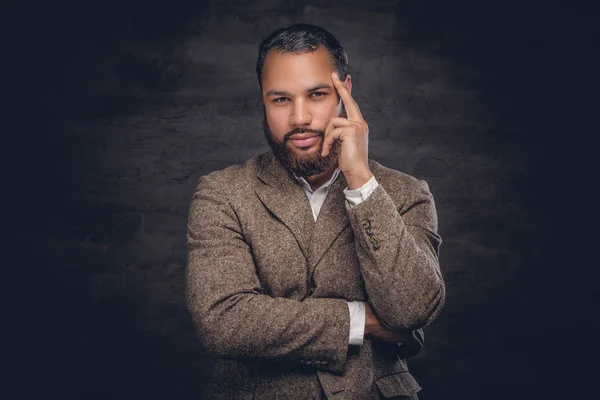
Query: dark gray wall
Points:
[117, 109]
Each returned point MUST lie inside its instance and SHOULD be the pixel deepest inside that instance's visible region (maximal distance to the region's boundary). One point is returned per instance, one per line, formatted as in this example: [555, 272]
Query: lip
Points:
[304, 140]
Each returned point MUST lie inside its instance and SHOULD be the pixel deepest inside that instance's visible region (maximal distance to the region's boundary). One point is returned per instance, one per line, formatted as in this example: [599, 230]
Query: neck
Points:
[316, 181]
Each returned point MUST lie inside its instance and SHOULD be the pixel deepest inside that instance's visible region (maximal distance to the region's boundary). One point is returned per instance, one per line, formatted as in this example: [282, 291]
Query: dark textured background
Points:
[116, 108]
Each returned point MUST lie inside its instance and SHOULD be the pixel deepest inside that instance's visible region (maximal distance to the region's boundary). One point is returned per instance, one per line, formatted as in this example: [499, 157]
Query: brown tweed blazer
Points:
[267, 287]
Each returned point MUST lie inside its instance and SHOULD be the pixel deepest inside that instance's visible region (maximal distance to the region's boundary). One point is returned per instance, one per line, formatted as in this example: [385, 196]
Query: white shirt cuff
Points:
[357, 196]
[357, 322]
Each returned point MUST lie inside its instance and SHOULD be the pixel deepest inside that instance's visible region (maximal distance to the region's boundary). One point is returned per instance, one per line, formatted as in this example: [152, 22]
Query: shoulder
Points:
[233, 179]
[398, 183]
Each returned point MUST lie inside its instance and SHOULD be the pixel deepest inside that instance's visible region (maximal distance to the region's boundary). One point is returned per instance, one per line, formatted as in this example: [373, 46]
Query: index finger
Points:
[352, 108]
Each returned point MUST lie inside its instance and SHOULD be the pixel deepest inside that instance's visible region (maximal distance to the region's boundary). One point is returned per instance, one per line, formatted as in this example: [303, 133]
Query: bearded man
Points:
[312, 269]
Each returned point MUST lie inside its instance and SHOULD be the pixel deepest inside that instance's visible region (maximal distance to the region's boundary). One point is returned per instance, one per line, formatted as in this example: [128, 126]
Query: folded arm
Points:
[233, 315]
[398, 252]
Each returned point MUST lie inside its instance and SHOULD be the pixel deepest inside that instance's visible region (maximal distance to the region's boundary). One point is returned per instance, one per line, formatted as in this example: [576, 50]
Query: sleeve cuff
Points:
[357, 196]
[357, 322]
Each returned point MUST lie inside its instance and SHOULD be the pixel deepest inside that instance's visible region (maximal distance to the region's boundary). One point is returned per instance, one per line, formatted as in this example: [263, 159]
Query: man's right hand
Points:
[375, 329]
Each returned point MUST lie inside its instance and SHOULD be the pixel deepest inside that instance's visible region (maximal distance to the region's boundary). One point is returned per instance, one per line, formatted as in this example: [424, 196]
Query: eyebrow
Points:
[274, 92]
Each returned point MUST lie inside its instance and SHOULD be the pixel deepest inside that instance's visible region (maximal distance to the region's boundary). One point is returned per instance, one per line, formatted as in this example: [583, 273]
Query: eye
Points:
[318, 95]
[280, 100]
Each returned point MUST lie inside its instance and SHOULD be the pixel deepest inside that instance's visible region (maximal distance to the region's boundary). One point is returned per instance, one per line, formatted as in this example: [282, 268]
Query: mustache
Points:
[297, 131]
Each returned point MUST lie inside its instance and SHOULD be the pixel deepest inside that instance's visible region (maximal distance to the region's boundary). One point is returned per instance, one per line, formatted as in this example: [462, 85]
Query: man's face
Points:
[299, 99]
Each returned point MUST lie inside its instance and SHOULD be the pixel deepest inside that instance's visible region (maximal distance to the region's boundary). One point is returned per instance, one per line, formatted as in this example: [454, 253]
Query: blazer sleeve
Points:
[233, 316]
[398, 249]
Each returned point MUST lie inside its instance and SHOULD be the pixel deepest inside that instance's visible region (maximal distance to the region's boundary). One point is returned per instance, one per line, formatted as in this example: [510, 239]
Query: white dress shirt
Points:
[353, 197]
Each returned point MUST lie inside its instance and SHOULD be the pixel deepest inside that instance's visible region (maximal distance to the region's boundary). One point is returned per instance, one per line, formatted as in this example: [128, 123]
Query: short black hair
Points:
[303, 38]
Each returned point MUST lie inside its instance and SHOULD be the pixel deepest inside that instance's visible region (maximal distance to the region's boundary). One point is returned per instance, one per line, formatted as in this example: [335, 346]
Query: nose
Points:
[301, 115]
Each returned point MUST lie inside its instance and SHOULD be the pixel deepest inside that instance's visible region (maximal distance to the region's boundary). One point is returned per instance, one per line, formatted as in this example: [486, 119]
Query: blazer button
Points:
[374, 242]
[366, 224]
[369, 231]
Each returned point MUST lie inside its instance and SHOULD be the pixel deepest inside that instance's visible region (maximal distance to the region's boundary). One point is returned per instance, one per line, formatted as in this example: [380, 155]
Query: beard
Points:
[302, 162]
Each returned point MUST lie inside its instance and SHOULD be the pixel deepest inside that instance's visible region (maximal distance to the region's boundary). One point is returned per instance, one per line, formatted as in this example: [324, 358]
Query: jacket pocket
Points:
[399, 384]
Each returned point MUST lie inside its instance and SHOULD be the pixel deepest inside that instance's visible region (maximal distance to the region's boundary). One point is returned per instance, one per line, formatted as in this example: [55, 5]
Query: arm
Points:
[229, 308]
[397, 249]
[411, 341]
[398, 253]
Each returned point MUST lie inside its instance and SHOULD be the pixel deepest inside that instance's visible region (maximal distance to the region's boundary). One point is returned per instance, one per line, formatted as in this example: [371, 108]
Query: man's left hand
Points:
[375, 329]
[353, 133]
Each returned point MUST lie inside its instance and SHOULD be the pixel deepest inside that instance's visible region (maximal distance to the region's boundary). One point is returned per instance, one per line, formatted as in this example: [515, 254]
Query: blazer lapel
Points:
[332, 220]
[285, 198]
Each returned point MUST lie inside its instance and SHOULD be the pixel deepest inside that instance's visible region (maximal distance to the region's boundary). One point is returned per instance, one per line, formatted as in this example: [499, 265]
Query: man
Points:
[312, 269]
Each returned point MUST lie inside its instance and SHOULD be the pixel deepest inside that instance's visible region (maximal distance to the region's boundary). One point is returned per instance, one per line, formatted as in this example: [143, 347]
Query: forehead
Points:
[289, 71]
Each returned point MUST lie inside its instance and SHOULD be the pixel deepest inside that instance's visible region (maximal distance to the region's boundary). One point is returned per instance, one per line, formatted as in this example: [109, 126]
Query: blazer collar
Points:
[306, 185]
[284, 196]
[332, 220]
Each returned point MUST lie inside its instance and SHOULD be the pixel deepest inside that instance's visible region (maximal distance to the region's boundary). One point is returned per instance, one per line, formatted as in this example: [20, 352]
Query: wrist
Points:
[357, 179]
[370, 320]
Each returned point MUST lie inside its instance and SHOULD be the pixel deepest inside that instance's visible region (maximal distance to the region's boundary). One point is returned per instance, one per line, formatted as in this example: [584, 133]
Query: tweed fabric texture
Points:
[267, 286]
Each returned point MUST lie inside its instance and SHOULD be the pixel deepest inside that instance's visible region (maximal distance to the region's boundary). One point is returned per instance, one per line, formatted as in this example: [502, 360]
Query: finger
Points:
[395, 337]
[329, 138]
[337, 122]
[334, 123]
[351, 106]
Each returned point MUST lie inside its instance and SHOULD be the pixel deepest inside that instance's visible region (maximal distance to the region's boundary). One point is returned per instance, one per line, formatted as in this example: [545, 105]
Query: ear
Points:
[348, 83]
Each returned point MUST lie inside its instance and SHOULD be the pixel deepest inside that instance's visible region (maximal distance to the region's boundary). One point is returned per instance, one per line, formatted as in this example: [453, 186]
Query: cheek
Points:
[276, 117]
[325, 111]
[278, 121]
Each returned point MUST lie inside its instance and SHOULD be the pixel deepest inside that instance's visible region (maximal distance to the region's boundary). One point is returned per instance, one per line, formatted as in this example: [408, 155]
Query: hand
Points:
[374, 328]
[353, 133]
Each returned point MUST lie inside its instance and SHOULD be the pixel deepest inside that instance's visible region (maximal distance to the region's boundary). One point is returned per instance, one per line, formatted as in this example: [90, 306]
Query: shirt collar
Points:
[306, 185]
